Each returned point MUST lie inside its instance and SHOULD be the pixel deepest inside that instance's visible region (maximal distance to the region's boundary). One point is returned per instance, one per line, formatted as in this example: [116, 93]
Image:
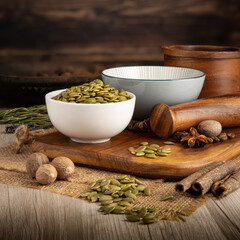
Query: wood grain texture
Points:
[149, 24]
[220, 64]
[33, 214]
[114, 155]
[165, 120]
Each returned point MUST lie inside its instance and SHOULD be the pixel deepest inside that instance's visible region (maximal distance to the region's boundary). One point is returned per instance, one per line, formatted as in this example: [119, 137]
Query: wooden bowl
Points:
[221, 65]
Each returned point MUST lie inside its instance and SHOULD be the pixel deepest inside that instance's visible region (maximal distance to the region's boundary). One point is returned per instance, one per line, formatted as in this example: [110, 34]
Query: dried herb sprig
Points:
[36, 115]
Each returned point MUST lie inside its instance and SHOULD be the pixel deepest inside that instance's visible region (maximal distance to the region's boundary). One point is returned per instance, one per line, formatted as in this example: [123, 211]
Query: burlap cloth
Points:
[13, 172]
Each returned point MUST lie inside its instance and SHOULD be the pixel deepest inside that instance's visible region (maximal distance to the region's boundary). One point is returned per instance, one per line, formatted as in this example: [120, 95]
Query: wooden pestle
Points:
[165, 120]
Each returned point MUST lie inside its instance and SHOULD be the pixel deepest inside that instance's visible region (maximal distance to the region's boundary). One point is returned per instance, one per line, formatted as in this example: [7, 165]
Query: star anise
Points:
[194, 139]
[139, 126]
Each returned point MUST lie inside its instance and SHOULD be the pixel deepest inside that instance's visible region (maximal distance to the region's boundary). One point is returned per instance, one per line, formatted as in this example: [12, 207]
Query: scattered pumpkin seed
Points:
[117, 199]
[123, 203]
[150, 155]
[133, 218]
[108, 209]
[116, 193]
[140, 154]
[151, 210]
[163, 154]
[128, 199]
[167, 198]
[142, 212]
[141, 187]
[169, 143]
[148, 221]
[147, 191]
[151, 151]
[149, 216]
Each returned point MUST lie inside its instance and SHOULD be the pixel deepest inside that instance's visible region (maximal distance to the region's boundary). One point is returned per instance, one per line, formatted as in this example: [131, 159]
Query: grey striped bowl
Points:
[156, 84]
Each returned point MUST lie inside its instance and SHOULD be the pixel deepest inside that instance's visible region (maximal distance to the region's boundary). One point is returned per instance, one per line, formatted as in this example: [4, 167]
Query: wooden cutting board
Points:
[114, 155]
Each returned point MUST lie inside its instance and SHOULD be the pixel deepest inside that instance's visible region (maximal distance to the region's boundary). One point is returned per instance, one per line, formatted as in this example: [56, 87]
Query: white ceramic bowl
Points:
[89, 123]
[156, 84]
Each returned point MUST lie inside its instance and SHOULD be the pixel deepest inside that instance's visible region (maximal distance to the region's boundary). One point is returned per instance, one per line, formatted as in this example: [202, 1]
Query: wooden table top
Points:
[33, 214]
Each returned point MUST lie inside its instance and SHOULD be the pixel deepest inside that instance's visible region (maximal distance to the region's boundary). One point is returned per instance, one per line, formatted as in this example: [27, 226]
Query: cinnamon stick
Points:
[204, 183]
[229, 186]
[218, 183]
[186, 183]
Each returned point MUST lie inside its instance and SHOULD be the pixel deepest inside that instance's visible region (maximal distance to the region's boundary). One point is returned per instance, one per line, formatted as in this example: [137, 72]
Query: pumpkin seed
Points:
[121, 177]
[130, 149]
[165, 149]
[141, 187]
[136, 208]
[135, 191]
[133, 218]
[147, 191]
[123, 203]
[102, 208]
[163, 154]
[152, 148]
[148, 221]
[84, 194]
[140, 154]
[167, 198]
[142, 212]
[105, 198]
[144, 143]
[169, 143]
[94, 198]
[130, 194]
[118, 210]
[151, 210]
[150, 155]
[128, 199]
[115, 195]
[138, 181]
[117, 199]
[128, 180]
[94, 92]
[141, 149]
[106, 202]
[149, 216]
[154, 145]
[149, 151]
[108, 209]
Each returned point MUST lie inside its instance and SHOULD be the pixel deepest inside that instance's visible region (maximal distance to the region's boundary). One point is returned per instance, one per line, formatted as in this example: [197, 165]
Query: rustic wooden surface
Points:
[33, 214]
[142, 25]
[114, 155]
[123, 32]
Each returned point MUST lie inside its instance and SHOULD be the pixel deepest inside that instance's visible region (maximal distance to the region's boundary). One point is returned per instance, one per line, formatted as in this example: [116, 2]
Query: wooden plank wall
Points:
[129, 31]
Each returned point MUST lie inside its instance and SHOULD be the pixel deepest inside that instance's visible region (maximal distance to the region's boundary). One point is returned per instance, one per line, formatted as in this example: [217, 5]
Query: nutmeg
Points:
[34, 161]
[46, 174]
[64, 166]
[209, 128]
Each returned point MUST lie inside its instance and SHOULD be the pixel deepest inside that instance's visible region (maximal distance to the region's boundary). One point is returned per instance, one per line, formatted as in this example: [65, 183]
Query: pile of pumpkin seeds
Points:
[151, 151]
[116, 194]
[94, 92]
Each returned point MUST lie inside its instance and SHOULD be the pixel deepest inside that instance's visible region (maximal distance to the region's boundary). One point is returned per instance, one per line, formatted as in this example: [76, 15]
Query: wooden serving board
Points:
[114, 155]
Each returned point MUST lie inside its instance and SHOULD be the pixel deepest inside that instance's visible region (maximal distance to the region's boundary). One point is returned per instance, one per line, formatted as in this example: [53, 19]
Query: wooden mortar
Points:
[221, 65]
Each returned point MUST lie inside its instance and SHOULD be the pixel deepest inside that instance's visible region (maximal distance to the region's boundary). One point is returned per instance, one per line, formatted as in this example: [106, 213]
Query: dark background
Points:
[114, 31]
